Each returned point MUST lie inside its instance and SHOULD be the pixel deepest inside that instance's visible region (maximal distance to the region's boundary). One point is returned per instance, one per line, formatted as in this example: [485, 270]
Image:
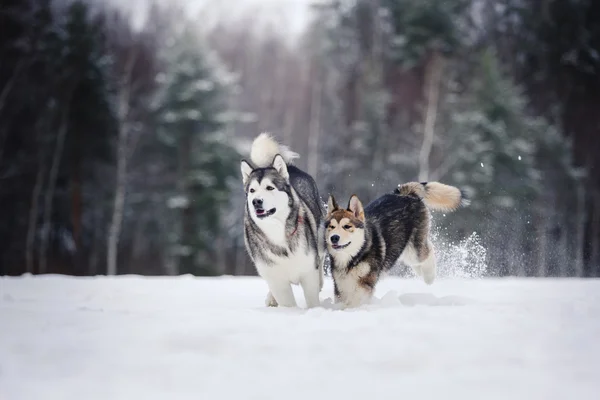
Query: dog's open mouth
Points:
[340, 246]
[262, 213]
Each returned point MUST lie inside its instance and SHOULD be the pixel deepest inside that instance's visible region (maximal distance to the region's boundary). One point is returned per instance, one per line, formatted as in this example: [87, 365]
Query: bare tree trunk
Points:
[168, 259]
[11, 83]
[376, 72]
[3, 136]
[77, 210]
[35, 201]
[267, 96]
[432, 87]
[255, 67]
[564, 261]
[240, 261]
[595, 239]
[95, 253]
[278, 92]
[221, 259]
[288, 124]
[515, 249]
[114, 230]
[542, 239]
[33, 213]
[49, 197]
[290, 112]
[314, 132]
[186, 261]
[138, 246]
[580, 229]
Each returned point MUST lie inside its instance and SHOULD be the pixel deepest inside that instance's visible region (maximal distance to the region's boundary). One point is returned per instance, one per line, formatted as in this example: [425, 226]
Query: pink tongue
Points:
[260, 211]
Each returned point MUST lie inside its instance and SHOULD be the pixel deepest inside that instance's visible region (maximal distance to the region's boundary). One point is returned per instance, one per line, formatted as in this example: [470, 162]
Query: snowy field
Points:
[192, 338]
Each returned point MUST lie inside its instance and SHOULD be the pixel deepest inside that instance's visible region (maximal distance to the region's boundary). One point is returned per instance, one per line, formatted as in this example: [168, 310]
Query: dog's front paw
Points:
[270, 300]
[429, 276]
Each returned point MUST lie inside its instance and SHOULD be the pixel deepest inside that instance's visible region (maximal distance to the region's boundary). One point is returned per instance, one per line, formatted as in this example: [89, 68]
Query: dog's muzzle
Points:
[340, 246]
[260, 211]
[335, 239]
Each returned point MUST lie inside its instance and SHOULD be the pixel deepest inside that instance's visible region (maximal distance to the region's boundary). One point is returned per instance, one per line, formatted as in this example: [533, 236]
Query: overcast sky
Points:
[290, 15]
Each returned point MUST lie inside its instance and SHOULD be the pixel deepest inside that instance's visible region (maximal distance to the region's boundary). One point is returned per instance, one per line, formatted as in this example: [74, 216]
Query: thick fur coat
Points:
[365, 242]
[283, 223]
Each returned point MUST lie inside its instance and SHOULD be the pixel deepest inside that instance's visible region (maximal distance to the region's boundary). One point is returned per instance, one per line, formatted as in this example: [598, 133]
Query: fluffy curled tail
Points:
[435, 195]
[265, 148]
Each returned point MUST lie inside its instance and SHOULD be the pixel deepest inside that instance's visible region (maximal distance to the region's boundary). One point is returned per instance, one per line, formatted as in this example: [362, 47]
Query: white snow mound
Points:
[212, 338]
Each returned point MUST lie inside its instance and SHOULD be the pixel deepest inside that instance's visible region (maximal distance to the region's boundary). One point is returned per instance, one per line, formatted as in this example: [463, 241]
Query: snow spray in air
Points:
[465, 259]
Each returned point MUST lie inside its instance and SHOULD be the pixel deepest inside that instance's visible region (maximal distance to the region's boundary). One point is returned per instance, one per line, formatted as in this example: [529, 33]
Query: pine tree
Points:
[425, 26]
[553, 47]
[492, 153]
[191, 115]
[365, 45]
[91, 122]
[352, 62]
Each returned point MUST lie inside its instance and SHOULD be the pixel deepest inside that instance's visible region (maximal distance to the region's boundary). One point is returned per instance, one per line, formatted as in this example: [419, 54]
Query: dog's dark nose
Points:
[257, 203]
[335, 239]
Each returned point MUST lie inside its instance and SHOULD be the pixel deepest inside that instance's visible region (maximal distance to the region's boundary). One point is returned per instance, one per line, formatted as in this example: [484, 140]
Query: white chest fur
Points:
[289, 269]
[273, 229]
[298, 267]
[352, 293]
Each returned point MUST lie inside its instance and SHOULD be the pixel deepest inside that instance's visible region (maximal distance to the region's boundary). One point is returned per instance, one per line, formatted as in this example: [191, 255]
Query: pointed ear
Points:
[281, 167]
[246, 171]
[356, 207]
[331, 205]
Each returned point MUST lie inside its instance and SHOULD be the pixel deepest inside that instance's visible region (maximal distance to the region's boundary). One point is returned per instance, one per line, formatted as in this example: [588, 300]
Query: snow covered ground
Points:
[191, 338]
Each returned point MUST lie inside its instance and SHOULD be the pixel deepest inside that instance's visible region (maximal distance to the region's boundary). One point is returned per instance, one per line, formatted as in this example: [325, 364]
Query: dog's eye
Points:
[252, 190]
[331, 227]
[346, 227]
[269, 188]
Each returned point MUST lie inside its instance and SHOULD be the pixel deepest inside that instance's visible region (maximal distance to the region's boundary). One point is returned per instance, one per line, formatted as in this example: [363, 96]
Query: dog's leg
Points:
[321, 272]
[357, 298]
[421, 259]
[311, 286]
[282, 293]
[428, 262]
[364, 289]
[337, 295]
[270, 300]
[410, 257]
[321, 254]
[355, 287]
[419, 253]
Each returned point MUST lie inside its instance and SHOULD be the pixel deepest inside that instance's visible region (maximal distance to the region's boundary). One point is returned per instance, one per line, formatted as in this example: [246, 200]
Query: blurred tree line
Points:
[120, 147]
[114, 154]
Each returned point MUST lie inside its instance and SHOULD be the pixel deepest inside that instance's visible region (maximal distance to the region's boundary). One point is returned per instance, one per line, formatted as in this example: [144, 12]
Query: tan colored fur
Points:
[435, 195]
[341, 224]
[368, 281]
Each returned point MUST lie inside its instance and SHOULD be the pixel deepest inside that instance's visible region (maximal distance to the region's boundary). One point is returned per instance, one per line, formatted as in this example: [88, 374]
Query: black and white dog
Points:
[365, 242]
[283, 223]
